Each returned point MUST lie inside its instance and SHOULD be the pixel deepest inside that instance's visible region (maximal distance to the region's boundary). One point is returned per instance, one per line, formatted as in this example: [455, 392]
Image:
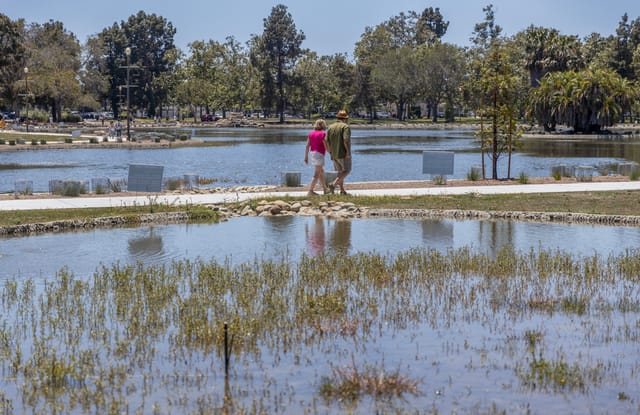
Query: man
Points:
[338, 144]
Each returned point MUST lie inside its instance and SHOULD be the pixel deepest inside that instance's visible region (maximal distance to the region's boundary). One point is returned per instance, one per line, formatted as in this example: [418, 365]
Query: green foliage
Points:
[72, 118]
[523, 178]
[439, 180]
[497, 90]
[586, 100]
[275, 53]
[473, 175]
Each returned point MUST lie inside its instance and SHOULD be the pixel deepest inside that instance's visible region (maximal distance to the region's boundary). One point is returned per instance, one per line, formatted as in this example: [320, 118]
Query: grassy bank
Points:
[22, 217]
[609, 203]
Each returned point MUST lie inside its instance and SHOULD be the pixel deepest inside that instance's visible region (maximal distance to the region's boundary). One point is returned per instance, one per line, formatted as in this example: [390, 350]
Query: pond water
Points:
[260, 156]
[473, 343]
[246, 238]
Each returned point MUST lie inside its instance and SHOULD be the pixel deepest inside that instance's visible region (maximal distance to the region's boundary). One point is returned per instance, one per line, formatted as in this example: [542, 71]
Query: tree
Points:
[150, 38]
[153, 56]
[12, 57]
[275, 52]
[323, 83]
[54, 65]
[410, 30]
[598, 51]
[396, 74]
[104, 62]
[586, 100]
[546, 50]
[486, 32]
[373, 43]
[441, 73]
[238, 75]
[494, 85]
[498, 86]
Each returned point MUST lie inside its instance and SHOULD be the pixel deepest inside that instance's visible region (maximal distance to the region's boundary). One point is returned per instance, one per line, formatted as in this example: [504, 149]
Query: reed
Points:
[131, 338]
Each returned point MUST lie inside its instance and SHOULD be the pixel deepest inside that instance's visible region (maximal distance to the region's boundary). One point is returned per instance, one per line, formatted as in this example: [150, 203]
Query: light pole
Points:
[127, 52]
[26, 96]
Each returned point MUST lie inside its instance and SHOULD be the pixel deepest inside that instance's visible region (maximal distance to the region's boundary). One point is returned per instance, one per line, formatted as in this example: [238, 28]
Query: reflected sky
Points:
[247, 238]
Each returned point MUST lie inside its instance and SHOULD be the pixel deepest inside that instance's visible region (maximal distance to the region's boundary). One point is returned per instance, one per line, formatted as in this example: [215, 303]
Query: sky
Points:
[330, 26]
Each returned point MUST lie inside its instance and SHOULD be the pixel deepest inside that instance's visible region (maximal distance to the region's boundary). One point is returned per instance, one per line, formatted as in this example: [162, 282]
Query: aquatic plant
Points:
[132, 338]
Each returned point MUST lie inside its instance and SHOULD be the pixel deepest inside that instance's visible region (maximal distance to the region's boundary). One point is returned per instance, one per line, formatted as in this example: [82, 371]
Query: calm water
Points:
[466, 364]
[257, 156]
[247, 238]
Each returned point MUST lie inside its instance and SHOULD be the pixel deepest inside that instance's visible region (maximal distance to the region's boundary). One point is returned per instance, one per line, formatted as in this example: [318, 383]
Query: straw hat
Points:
[342, 114]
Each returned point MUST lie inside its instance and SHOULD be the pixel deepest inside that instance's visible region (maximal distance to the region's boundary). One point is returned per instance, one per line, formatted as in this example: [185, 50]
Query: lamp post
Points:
[127, 52]
[26, 96]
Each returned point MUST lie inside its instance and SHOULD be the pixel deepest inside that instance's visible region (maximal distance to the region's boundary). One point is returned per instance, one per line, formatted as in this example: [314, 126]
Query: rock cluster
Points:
[233, 189]
[330, 208]
[564, 217]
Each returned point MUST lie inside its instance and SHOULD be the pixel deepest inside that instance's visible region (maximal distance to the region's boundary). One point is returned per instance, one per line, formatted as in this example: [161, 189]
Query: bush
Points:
[72, 118]
[473, 175]
[523, 178]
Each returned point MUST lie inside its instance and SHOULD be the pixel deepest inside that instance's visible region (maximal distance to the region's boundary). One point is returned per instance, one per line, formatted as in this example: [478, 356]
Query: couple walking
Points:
[336, 141]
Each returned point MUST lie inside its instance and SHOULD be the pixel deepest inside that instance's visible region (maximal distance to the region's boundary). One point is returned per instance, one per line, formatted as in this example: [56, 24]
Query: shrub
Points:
[523, 178]
[473, 175]
[72, 118]
[440, 180]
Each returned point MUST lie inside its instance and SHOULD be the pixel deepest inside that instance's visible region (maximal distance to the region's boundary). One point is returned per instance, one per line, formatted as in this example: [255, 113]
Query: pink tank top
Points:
[316, 143]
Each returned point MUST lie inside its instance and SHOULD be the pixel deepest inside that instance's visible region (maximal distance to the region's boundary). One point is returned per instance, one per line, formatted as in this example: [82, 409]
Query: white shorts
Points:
[317, 159]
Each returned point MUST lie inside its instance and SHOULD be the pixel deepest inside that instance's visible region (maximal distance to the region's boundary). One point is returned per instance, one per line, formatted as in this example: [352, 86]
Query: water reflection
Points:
[340, 240]
[440, 232]
[314, 232]
[495, 234]
[245, 239]
[149, 245]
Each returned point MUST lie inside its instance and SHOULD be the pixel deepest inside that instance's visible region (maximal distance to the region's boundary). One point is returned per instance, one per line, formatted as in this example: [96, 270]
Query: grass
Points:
[610, 203]
[51, 215]
[153, 334]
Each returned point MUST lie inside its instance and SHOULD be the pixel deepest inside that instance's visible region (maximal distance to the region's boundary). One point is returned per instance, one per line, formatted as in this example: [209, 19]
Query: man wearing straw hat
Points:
[338, 143]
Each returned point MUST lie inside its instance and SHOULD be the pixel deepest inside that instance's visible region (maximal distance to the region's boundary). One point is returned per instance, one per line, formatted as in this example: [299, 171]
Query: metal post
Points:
[26, 96]
[127, 52]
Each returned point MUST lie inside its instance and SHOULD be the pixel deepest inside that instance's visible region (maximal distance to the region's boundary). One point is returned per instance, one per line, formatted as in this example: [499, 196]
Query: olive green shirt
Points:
[338, 134]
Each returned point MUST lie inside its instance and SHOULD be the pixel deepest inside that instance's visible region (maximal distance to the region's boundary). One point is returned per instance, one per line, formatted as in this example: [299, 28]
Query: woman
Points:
[315, 146]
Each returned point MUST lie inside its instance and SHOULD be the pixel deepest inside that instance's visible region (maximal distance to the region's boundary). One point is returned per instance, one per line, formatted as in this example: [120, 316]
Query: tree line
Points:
[537, 75]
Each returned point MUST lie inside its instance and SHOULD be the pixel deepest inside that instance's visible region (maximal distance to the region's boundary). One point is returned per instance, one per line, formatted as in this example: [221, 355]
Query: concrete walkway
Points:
[217, 198]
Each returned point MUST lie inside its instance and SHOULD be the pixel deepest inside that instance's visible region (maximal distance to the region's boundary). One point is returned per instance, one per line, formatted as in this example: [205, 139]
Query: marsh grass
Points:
[351, 383]
[153, 334]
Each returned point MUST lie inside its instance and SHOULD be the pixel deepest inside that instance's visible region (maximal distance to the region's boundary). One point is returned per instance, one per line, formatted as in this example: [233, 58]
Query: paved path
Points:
[185, 199]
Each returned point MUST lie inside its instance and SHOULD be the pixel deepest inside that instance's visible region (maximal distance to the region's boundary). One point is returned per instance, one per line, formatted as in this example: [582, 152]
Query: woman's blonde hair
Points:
[320, 124]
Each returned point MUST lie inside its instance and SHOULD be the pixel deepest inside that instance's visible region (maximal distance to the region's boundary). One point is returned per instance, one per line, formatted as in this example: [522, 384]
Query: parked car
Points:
[209, 117]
